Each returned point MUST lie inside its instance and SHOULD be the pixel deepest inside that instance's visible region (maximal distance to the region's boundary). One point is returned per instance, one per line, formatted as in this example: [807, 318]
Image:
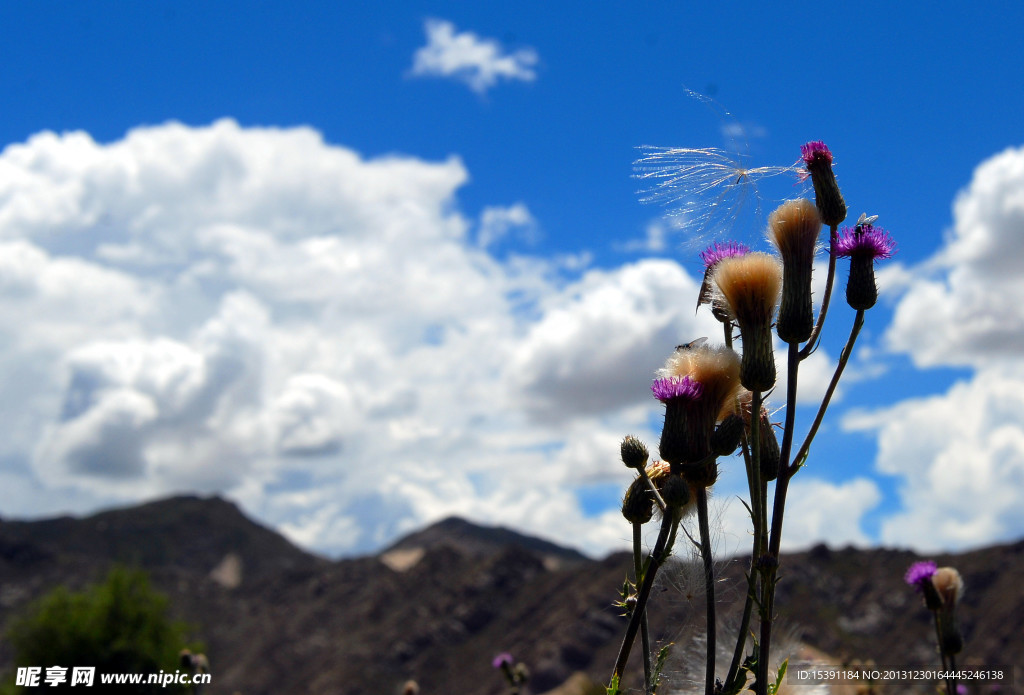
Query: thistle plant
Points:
[714, 398]
[941, 589]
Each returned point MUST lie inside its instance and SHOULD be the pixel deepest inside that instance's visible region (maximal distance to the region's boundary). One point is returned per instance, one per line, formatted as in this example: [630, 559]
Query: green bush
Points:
[118, 626]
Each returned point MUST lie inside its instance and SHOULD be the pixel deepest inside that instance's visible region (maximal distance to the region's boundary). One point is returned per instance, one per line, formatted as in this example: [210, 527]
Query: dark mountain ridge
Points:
[439, 604]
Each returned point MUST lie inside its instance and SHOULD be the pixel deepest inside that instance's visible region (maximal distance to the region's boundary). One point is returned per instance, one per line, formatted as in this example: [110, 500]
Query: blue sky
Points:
[359, 268]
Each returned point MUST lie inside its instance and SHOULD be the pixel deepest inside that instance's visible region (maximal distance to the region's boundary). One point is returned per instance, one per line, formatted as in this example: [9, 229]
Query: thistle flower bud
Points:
[638, 503]
[694, 385]
[676, 492]
[793, 229]
[701, 474]
[818, 160]
[660, 473]
[862, 245]
[750, 286]
[769, 455]
[727, 436]
[634, 453]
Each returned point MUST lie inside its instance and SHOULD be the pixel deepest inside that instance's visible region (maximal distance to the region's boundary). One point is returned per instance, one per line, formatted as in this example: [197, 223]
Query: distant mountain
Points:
[481, 541]
[439, 604]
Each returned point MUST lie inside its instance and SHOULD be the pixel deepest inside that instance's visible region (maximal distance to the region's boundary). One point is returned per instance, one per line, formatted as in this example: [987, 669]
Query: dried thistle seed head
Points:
[716, 369]
[638, 503]
[634, 453]
[793, 228]
[750, 286]
[711, 256]
[949, 585]
[694, 384]
[829, 200]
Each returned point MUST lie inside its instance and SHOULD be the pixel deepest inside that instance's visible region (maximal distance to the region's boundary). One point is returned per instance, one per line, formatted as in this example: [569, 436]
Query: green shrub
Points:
[118, 626]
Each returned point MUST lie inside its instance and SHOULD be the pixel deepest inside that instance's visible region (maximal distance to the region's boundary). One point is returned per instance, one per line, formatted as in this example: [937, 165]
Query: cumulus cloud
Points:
[959, 455]
[478, 62]
[259, 313]
[323, 337]
[496, 222]
[965, 306]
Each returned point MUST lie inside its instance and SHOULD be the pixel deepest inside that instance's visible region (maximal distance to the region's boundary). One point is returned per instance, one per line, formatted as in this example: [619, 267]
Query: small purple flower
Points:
[503, 660]
[716, 252]
[672, 387]
[919, 573]
[961, 689]
[865, 241]
[815, 150]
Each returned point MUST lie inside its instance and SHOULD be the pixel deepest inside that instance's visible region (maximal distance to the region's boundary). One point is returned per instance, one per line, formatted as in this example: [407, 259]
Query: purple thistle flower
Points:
[815, 150]
[672, 387]
[961, 689]
[865, 241]
[919, 573]
[502, 660]
[716, 252]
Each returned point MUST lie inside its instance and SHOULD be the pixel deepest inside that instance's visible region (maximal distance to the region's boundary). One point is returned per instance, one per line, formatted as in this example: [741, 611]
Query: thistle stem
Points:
[661, 550]
[709, 588]
[771, 564]
[812, 342]
[645, 636]
[653, 488]
[844, 357]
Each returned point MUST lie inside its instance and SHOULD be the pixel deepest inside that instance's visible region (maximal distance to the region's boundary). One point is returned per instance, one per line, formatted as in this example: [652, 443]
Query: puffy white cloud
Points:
[320, 336]
[496, 222]
[598, 343]
[476, 61]
[966, 305]
[960, 455]
[256, 312]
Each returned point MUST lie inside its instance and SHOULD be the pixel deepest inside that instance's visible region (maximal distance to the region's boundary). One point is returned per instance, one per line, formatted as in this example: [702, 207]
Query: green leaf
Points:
[778, 681]
[744, 503]
[659, 665]
[613, 686]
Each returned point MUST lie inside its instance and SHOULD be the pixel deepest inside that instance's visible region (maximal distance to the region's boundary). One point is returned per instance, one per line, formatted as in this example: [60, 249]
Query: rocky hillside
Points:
[439, 604]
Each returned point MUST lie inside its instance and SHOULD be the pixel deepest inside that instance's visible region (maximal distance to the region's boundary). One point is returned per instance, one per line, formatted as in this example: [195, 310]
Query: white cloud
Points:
[464, 56]
[966, 305]
[959, 456]
[599, 342]
[496, 222]
[256, 312]
[324, 338]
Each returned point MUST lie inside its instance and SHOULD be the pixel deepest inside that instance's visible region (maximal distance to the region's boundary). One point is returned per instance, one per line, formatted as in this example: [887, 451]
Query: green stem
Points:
[844, 357]
[653, 488]
[771, 564]
[825, 298]
[661, 550]
[709, 589]
[645, 636]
